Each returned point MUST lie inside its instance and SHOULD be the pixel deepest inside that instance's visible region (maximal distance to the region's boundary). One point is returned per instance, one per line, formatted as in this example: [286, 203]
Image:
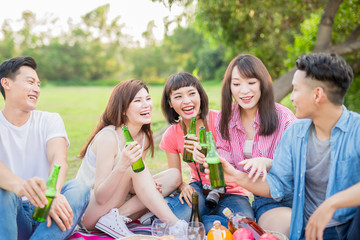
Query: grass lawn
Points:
[81, 107]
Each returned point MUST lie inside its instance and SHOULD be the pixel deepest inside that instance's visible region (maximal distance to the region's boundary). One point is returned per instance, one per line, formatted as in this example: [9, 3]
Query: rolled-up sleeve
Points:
[280, 176]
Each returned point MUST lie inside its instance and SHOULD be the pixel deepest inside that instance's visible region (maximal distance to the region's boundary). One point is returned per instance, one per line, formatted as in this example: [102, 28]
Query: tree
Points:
[266, 28]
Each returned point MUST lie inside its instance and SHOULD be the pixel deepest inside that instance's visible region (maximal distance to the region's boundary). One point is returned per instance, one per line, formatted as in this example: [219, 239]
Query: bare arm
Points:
[185, 189]
[324, 213]
[242, 179]
[34, 188]
[57, 154]
[105, 146]
[61, 211]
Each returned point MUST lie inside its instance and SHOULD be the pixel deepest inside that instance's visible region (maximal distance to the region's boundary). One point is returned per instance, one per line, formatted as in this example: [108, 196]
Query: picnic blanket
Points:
[134, 227]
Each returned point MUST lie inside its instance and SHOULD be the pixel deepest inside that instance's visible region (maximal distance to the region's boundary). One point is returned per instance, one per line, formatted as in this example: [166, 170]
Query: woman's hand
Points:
[129, 155]
[189, 143]
[186, 192]
[257, 167]
[158, 186]
[197, 155]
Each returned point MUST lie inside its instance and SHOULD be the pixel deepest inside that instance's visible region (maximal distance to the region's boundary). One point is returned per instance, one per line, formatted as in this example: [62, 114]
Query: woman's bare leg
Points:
[95, 210]
[282, 223]
[146, 192]
[169, 179]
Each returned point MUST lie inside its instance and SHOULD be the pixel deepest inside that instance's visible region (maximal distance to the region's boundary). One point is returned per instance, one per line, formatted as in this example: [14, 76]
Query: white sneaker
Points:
[147, 218]
[179, 229]
[114, 224]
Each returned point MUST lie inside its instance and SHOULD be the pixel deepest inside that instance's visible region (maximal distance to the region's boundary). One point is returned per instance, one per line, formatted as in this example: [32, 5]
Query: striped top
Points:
[263, 146]
[173, 142]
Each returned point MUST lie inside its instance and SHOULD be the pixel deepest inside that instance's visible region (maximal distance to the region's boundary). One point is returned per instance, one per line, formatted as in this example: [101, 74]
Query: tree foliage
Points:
[90, 50]
[279, 31]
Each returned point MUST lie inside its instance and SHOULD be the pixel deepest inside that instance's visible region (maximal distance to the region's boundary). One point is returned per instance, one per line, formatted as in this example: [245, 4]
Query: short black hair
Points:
[332, 70]
[176, 81]
[10, 67]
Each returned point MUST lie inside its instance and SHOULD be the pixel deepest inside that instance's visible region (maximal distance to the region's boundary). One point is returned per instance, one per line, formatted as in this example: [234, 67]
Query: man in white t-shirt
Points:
[31, 142]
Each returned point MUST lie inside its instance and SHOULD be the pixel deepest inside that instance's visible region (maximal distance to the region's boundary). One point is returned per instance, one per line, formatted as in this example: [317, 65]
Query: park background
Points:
[80, 65]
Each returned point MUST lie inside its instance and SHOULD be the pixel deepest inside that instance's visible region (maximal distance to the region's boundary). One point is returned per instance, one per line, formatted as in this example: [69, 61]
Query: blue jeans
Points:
[236, 203]
[16, 216]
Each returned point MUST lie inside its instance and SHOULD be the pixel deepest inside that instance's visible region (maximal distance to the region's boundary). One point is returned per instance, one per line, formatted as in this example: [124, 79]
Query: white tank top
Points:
[87, 170]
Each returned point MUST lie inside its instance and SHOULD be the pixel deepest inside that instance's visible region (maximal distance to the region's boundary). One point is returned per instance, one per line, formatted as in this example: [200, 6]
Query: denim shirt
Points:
[289, 165]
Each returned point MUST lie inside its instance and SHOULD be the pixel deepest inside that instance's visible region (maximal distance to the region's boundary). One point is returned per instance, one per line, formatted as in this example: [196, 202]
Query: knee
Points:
[8, 202]
[77, 193]
[7, 198]
[176, 175]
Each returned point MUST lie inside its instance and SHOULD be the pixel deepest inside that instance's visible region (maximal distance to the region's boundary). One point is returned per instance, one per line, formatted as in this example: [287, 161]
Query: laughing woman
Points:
[117, 191]
[183, 98]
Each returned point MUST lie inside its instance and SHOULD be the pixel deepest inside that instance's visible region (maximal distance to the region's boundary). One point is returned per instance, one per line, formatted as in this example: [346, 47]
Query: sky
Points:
[135, 14]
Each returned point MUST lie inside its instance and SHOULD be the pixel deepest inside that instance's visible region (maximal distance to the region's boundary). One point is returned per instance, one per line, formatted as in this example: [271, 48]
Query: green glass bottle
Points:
[40, 214]
[204, 146]
[187, 156]
[138, 166]
[195, 213]
[215, 166]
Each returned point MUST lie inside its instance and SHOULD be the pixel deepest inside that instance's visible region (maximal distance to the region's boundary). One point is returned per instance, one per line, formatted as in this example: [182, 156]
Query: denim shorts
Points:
[263, 204]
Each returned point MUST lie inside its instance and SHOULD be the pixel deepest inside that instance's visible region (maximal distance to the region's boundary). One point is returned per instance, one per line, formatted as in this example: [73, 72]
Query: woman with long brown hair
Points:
[249, 130]
[117, 191]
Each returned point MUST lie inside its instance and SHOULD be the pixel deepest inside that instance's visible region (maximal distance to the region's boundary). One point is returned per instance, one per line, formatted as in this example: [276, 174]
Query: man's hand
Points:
[230, 173]
[318, 221]
[34, 189]
[61, 213]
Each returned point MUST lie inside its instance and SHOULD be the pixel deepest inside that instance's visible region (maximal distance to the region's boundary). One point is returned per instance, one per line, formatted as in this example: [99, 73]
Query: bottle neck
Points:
[202, 140]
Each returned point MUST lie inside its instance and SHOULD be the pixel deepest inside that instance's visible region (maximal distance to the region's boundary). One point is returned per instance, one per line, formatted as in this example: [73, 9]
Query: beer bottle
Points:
[215, 167]
[40, 214]
[138, 166]
[241, 220]
[187, 156]
[195, 213]
[203, 145]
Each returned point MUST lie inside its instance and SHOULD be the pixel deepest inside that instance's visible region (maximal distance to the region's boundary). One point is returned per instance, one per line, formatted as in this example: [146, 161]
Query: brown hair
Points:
[114, 113]
[249, 66]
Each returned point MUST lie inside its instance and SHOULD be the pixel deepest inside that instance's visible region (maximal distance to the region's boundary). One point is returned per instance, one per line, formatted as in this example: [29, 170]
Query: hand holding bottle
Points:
[198, 156]
[34, 190]
[189, 143]
[130, 154]
[230, 173]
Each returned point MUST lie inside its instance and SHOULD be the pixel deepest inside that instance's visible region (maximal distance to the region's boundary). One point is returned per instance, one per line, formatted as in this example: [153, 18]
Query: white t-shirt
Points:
[23, 149]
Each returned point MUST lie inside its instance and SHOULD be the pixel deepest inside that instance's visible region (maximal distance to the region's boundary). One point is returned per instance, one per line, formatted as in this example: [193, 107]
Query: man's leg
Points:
[353, 232]
[77, 194]
[13, 214]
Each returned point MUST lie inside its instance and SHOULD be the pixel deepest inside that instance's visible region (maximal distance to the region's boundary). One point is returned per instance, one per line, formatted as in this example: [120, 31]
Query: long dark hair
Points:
[114, 113]
[249, 66]
[176, 81]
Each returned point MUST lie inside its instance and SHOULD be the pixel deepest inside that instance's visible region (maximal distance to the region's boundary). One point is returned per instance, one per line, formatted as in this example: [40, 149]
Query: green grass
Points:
[81, 107]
